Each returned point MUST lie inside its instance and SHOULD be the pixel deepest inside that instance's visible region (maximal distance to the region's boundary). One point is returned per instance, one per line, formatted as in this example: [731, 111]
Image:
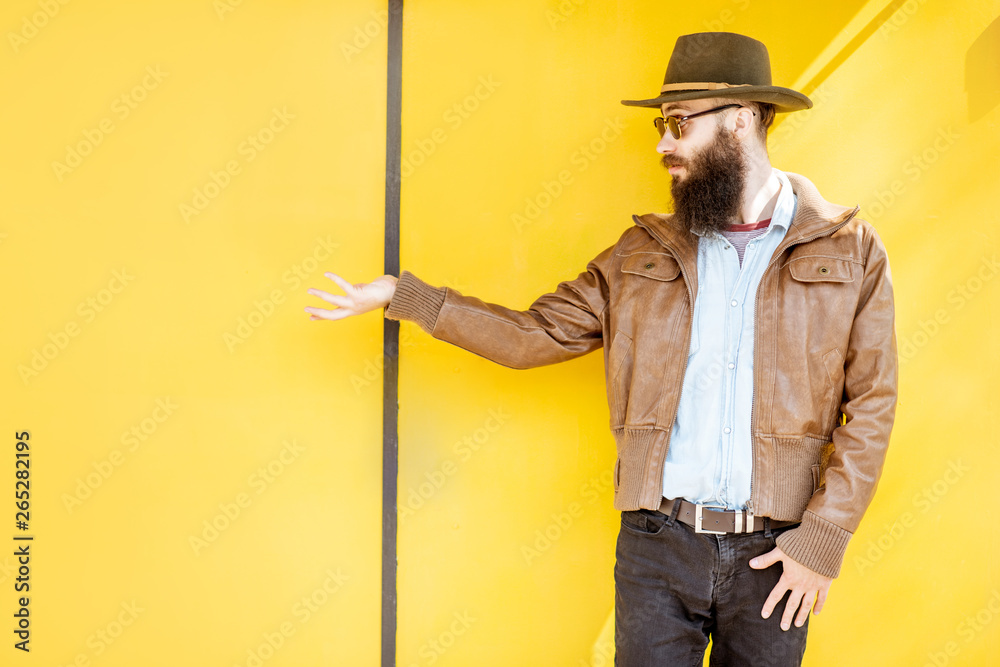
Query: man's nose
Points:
[667, 144]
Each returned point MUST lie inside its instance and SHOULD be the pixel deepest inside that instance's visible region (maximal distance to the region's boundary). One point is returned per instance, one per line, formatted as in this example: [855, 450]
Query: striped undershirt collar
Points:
[749, 228]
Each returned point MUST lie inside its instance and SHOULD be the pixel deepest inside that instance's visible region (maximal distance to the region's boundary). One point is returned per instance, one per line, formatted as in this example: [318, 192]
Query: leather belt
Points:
[718, 520]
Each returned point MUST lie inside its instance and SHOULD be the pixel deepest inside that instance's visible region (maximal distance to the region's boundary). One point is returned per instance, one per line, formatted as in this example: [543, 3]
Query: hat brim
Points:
[784, 99]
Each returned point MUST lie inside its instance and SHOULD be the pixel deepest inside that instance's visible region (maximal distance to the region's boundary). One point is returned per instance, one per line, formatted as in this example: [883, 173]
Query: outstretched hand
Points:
[358, 298]
[803, 585]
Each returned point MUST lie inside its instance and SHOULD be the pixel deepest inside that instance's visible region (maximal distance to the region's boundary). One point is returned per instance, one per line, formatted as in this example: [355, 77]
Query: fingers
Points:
[765, 560]
[800, 600]
[356, 299]
[321, 314]
[807, 603]
[774, 598]
[344, 303]
[820, 600]
[344, 285]
[793, 603]
[336, 299]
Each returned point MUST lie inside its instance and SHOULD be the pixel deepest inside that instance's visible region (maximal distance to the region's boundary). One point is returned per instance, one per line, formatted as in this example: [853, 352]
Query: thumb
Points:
[766, 560]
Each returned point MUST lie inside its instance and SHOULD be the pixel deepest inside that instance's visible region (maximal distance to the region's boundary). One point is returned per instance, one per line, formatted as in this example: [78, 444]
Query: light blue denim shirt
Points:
[710, 457]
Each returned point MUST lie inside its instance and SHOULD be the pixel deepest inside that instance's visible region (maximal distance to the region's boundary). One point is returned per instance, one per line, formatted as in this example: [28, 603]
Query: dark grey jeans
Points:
[675, 588]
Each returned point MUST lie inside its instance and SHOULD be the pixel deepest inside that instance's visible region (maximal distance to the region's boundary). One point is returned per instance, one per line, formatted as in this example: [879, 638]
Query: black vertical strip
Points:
[390, 338]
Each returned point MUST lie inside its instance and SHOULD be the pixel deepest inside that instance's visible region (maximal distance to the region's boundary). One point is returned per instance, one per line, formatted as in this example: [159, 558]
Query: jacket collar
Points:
[814, 216]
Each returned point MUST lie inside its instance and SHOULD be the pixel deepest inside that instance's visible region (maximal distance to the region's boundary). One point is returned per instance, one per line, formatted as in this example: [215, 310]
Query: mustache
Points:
[666, 161]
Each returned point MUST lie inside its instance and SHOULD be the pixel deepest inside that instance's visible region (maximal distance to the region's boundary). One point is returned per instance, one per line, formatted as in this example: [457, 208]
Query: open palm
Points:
[358, 298]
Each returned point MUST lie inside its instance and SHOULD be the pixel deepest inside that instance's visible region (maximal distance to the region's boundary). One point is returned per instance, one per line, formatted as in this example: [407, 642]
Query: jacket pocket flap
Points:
[652, 265]
[821, 269]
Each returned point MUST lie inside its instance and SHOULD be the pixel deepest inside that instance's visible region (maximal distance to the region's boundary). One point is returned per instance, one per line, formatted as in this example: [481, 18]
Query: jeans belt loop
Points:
[672, 517]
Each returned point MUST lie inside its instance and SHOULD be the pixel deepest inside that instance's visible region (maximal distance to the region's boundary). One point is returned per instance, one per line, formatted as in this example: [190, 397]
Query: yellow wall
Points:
[520, 164]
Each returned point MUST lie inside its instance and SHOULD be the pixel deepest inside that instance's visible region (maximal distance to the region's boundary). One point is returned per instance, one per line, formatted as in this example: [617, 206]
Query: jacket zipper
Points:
[756, 384]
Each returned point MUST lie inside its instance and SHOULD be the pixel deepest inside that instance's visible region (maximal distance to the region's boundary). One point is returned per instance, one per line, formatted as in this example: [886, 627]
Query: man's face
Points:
[707, 165]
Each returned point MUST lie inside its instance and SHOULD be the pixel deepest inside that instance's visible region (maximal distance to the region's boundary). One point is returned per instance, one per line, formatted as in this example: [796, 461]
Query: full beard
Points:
[710, 196]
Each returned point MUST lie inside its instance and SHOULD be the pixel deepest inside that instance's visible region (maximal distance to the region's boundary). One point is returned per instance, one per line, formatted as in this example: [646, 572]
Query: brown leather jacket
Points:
[825, 360]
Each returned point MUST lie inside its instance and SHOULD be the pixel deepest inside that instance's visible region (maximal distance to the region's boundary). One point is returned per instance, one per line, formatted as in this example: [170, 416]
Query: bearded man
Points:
[750, 357]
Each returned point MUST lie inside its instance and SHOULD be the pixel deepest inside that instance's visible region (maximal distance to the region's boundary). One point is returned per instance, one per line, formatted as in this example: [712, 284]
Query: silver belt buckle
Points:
[748, 528]
[698, 519]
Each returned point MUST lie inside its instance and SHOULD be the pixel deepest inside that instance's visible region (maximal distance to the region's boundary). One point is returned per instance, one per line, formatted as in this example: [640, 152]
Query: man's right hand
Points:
[357, 299]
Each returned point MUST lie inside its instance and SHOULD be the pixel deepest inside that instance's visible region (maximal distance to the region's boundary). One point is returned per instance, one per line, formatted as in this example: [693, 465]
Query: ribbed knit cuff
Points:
[817, 544]
[416, 300]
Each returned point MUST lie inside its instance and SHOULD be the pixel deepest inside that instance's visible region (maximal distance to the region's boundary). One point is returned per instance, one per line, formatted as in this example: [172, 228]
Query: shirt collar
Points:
[784, 208]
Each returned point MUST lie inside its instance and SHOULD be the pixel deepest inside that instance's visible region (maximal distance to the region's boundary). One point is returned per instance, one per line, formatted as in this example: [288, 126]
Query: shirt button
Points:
[732, 365]
[734, 302]
[727, 429]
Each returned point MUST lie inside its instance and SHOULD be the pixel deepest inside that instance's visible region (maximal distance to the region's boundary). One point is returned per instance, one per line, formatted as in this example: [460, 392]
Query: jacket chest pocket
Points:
[654, 265]
[821, 269]
[820, 299]
[650, 288]
[657, 296]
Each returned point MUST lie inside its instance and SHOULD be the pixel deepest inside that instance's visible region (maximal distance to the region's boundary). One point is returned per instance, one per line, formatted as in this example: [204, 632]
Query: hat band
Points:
[700, 85]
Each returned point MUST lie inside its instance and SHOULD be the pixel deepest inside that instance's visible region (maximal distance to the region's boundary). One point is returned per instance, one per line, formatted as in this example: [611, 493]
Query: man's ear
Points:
[743, 119]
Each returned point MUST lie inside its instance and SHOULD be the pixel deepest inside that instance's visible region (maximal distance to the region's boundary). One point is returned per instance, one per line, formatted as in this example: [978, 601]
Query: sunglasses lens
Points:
[662, 124]
[675, 129]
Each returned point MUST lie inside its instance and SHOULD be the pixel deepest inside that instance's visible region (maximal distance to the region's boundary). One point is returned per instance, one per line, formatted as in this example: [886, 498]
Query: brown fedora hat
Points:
[722, 64]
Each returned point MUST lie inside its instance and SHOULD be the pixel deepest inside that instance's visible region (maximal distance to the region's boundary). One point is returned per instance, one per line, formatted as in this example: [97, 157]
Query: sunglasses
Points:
[675, 123]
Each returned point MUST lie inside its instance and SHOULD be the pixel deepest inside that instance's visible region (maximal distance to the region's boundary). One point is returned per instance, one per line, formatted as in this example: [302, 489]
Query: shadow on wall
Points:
[982, 72]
